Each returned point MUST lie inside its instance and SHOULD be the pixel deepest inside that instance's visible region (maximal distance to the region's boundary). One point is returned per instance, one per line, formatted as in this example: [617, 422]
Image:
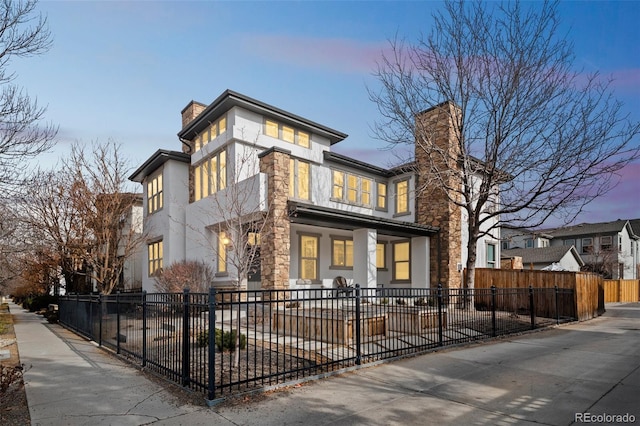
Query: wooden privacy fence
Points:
[588, 300]
[621, 291]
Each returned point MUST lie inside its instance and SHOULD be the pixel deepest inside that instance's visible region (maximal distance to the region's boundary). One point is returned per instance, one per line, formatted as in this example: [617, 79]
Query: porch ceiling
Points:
[308, 214]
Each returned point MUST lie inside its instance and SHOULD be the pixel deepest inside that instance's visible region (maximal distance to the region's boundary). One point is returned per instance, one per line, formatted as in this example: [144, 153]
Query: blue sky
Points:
[125, 70]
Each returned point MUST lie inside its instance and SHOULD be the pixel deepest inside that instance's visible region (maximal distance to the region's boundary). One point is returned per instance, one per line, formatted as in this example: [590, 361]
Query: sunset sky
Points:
[125, 70]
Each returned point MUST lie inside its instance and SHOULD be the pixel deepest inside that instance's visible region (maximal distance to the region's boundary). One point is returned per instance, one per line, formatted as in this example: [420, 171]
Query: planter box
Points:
[328, 325]
[413, 320]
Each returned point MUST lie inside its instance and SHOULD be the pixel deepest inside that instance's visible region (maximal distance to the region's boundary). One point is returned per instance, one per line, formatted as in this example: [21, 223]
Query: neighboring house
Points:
[524, 238]
[560, 258]
[343, 217]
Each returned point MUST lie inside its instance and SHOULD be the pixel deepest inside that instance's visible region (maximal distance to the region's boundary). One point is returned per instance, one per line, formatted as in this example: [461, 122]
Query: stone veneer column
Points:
[189, 113]
[432, 204]
[275, 254]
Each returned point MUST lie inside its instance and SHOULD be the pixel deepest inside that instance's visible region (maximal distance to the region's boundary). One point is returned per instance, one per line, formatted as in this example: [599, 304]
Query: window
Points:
[587, 245]
[154, 194]
[155, 258]
[299, 179]
[223, 242]
[216, 128]
[619, 242]
[381, 256]
[350, 188]
[491, 255]
[309, 257]
[569, 242]
[402, 197]
[341, 252]
[210, 176]
[401, 261]
[505, 245]
[529, 242]
[286, 133]
[381, 199]
[338, 185]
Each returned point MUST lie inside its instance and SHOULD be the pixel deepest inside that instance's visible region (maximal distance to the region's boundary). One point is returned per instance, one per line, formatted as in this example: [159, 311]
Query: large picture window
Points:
[309, 260]
[401, 261]
[210, 176]
[491, 256]
[154, 194]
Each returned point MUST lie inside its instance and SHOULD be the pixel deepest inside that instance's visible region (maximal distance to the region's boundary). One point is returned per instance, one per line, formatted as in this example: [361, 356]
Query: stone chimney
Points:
[275, 253]
[189, 113]
[434, 128]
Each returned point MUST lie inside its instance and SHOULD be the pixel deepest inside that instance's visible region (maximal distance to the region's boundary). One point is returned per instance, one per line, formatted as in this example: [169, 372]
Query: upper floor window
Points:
[210, 176]
[402, 197]
[154, 194]
[569, 242]
[381, 197]
[299, 179]
[216, 128]
[529, 242]
[587, 245]
[341, 252]
[155, 258]
[286, 133]
[350, 188]
[619, 242]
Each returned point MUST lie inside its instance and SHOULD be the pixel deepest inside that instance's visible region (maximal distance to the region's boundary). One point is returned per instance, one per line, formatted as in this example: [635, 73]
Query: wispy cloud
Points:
[335, 54]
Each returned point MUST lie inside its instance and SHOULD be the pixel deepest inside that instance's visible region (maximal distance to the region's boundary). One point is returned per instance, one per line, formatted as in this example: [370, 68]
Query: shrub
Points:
[401, 302]
[224, 341]
[421, 301]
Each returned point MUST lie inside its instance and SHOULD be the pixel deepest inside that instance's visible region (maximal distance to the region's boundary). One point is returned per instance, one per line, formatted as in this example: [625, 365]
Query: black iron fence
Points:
[222, 343]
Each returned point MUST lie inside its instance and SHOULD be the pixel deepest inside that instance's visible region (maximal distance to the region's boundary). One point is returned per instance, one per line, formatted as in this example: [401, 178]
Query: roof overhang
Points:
[158, 158]
[308, 214]
[229, 99]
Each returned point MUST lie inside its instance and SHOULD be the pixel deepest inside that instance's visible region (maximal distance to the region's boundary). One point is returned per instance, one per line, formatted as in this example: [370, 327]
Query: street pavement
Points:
[579, 373]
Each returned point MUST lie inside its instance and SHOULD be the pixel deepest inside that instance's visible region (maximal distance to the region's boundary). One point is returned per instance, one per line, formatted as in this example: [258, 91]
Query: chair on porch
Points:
[340, 283]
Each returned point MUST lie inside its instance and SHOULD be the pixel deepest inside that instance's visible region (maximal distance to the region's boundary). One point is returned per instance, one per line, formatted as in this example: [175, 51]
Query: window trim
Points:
[394, 262]
[294, 177]
[345, 188]
[155, 264]
[344, 240]
[280, 130]
[157, 197]
[317, 258]
[385, 197]
[202, 190]
[397, 198]
[385, 266]
[495, 255]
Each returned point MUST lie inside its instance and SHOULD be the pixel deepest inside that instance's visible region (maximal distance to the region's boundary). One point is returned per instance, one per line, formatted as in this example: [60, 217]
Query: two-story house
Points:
[610, 248]
[323, 215]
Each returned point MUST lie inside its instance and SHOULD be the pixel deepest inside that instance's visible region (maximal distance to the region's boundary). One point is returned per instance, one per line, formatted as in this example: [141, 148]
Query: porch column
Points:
[365, 272]
[420, 262]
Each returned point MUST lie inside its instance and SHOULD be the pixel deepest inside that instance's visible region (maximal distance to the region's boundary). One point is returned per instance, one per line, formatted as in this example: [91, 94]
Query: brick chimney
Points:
[434, 127]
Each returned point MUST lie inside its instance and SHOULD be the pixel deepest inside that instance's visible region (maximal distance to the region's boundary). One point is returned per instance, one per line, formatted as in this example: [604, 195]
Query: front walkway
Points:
[539, 378]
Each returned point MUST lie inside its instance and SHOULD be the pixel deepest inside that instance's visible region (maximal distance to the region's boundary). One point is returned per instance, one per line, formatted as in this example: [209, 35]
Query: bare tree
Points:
[238, 217]
[197, 276]
[519, 117]
[87, 215]
[113, 214]
[23, 33]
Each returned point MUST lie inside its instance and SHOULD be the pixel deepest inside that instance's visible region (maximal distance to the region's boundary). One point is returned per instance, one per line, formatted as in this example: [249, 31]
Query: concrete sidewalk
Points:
[538, 378]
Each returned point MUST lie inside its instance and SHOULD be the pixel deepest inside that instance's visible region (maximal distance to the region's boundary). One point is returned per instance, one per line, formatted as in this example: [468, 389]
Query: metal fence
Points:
[268, 337]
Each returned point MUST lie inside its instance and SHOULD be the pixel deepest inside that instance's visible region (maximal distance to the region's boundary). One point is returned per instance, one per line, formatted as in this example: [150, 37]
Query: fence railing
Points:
[223, 343]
